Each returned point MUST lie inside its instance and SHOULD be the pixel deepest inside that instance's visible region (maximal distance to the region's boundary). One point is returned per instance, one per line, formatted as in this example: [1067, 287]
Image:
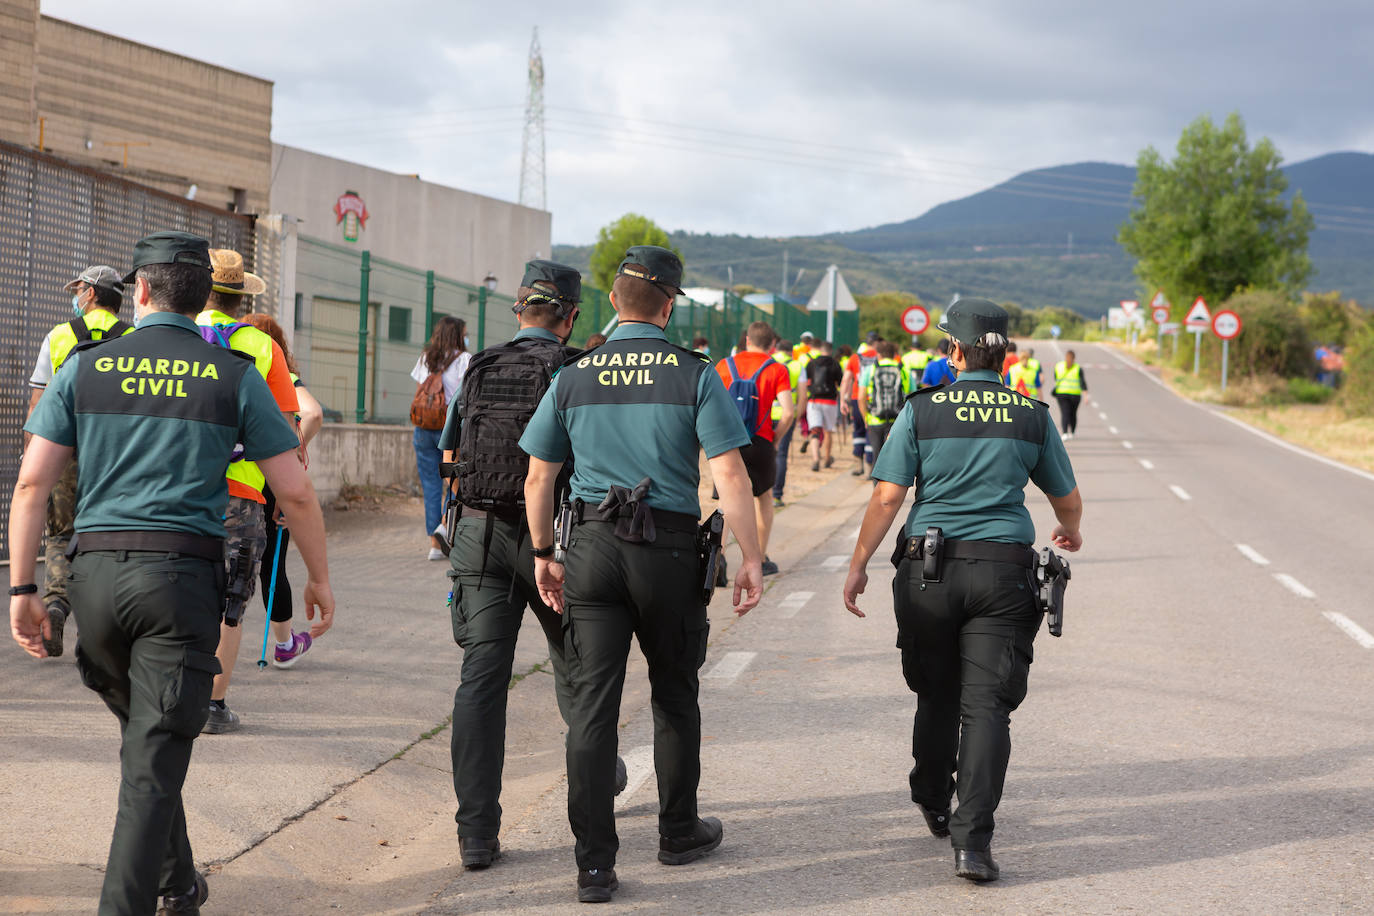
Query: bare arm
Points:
[312, 414]
[846, 386]
[43, 464]
[1068, 510]
[786, 414]
[539, 483]
[737, 502]
[297, 500]
[883, 507]
[35, 395]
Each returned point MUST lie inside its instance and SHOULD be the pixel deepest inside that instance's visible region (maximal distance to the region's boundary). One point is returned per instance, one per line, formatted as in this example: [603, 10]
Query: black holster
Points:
[709, 537]
[240, 584]
[1053, 574]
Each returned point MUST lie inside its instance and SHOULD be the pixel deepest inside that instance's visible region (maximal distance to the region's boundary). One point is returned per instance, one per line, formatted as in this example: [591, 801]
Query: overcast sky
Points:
[770, 118]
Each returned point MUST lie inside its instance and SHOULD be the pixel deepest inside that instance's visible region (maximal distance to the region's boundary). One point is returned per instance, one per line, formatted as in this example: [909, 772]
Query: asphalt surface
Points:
[1198, 741]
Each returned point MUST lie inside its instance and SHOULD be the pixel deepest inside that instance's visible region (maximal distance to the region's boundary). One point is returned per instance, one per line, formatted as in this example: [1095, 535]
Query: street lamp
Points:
[489, 281]
[488, 286]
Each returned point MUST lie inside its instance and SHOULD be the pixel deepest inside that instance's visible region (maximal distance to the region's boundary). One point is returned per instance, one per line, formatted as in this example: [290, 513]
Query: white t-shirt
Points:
[42, 370]
[453, 375]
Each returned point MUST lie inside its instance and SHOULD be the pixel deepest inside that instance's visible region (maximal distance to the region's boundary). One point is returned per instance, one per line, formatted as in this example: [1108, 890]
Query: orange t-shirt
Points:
[771, 383]
[284, 392]
[852, 367]
[1011, 360]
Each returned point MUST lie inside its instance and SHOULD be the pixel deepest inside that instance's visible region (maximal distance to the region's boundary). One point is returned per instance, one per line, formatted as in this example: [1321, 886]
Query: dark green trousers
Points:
[966, 651]
[487, 609]
[149, 627]
[613, 591]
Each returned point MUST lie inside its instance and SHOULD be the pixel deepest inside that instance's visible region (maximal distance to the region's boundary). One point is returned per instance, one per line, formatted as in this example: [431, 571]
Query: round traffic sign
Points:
[1226, 324]
[915, 320]
[1160, 314]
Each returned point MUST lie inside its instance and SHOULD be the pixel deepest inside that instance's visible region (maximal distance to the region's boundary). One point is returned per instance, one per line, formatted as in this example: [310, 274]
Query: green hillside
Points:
[1043, 238]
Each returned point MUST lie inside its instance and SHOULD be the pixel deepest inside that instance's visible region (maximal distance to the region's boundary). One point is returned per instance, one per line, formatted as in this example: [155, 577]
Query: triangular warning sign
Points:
[1198, 315]
[1129, 306]
[1159, 301]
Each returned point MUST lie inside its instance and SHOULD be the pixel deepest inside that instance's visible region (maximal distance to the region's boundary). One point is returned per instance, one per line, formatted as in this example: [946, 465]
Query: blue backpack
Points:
[745, 392]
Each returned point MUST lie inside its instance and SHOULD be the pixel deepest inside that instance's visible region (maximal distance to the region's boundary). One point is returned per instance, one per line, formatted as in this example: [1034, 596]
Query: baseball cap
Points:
[967, 320]
[657, 265]
[567, 280]
[98, 275]
[169, 247]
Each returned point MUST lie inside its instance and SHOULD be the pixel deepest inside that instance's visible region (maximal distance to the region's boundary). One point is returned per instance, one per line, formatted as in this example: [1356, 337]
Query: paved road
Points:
[1200, 739]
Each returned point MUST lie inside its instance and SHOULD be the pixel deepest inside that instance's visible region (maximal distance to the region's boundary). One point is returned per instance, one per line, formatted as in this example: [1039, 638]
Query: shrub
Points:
[1307, 391]
[1357, 392]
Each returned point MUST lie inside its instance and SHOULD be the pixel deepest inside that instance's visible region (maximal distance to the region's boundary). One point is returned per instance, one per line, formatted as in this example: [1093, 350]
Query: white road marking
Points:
[1147, 464]
[1126, 443]
[788, 607]
[730, 666]
[1112, 430]
[1351, 628]
[834, 562]
[1180, 492]
[1294, 586]
[1101, 415]
[639, 766]
[1253, 555]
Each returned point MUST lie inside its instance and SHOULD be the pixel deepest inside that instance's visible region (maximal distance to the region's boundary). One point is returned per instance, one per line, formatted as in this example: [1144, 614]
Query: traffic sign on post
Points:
[1199, 319]
[1226, 325]
[1160, 301]
[1129, 308]
[1160, 313]
[915, 320]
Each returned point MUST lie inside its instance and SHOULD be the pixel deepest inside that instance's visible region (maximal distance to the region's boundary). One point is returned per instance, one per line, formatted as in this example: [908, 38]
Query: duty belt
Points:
[1018, 554]
[668, 521]
[183, 542]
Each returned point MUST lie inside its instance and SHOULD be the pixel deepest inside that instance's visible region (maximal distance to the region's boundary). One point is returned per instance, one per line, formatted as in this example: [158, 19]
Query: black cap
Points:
[657, 265]
[565, 279]
[170, 247]
[967, 320]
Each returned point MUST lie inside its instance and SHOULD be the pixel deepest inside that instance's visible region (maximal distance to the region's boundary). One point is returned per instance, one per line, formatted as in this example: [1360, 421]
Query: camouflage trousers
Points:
[58, 531]
[244, 521]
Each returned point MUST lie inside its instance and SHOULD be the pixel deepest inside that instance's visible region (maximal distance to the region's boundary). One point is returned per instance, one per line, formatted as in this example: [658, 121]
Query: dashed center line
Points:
[789, 606]
[834, 562]
[1294, 586]
[1112, 430]
[730, 666]
[1351, 628]
[1147, 464]
[1125, 443]
[639, 765]
[1180, 492]
[1253, 555]
[1101, 415]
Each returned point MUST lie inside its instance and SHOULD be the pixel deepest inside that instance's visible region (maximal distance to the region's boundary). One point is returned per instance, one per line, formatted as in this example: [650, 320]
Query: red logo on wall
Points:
[350, 210]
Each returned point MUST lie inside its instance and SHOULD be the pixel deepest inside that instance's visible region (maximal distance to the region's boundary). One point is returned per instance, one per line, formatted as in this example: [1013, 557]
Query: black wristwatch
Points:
[542, 553]
[32, 589]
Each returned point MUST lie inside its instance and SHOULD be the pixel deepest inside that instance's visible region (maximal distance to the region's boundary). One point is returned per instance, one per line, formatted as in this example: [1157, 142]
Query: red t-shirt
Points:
[1011, 360]
[851, 366]
[771, 382]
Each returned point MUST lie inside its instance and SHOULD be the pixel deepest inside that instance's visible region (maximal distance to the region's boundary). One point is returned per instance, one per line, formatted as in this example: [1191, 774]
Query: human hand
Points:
[1065, 539]
[29, 623]
[319, 595]
[854, 586]
[548, 578]
[749, 585]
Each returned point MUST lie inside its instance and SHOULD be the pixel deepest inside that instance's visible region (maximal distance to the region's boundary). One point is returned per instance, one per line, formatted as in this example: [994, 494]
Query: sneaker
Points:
[683, 849]
[857, 472]
[300, 644]
[479, 852]
[816, 465]
[595, 885]
[441, 535]
[777, 502]
[436, 554]
[769, 567]
[829, 461]
[622, 775]
[189, 902]
[805, 443]
[57, 621]
[222, 719]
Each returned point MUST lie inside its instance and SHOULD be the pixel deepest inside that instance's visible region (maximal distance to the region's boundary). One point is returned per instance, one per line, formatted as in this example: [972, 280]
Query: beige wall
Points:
[18, 70]
[201, 124]
[427, 226]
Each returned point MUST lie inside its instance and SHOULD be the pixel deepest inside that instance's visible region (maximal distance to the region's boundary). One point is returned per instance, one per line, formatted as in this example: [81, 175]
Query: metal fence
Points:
[56, 219]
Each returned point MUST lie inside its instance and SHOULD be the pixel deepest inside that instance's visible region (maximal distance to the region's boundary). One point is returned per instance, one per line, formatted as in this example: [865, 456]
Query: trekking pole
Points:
[271, 593]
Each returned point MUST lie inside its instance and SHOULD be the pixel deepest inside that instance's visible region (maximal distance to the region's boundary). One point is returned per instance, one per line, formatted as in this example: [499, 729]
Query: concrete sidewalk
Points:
[337, 793]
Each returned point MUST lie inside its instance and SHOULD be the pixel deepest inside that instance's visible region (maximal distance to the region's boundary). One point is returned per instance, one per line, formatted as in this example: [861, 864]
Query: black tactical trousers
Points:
[613, 591]
[487, 610]
[966, 651]
[149, 627]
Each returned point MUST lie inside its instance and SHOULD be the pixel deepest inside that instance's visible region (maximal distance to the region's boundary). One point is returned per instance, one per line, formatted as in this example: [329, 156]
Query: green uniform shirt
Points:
[155, 417]
[636, 407]
[453, 424]
[971, 447]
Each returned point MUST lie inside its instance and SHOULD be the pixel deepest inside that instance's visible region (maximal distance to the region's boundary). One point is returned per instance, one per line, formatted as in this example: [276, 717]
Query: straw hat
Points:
[230, 277]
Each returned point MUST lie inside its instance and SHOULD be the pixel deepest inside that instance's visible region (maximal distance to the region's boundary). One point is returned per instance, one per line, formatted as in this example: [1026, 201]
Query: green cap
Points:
[170, 247]
[967, 320]
[657, 265]
[567, 280]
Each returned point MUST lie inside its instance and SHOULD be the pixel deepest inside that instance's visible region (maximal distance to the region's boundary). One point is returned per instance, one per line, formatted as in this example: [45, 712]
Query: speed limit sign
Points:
[1226, 325]
[915, 320]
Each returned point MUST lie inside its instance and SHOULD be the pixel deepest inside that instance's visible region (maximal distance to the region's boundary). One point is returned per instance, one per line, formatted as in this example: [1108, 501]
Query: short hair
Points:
[761, 334]
[107, 297]
[988, 352]
[825, 346]
[539, 314]
[182, 288]
[638, 298]
[846, 351]
[886, 349]
[943, 346]
[784, 344]
[595, 340]
[1011, 346]
[232, 304]
[698, 342]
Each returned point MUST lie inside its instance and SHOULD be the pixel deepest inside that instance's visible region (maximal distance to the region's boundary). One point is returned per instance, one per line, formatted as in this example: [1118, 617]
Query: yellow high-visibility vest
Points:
[1068, 379]
[257, 344]
[64, 338]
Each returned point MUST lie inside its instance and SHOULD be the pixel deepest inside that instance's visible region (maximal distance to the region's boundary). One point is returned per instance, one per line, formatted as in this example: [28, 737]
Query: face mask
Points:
[76, 306]
[466, 342]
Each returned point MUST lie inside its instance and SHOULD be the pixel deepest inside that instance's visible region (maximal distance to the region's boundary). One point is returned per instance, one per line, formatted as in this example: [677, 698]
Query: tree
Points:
[882, 312]
[1213, 221]
[611, 242]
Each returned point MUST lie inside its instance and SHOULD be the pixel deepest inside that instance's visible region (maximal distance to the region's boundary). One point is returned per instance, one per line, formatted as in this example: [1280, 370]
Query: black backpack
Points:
[501, 389]
[887, 392]
[824, 374]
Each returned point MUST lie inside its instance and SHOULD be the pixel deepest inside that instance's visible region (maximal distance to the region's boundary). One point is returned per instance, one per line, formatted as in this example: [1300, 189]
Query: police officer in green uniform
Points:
[966, 620]
[633, 414]
[155, 416]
